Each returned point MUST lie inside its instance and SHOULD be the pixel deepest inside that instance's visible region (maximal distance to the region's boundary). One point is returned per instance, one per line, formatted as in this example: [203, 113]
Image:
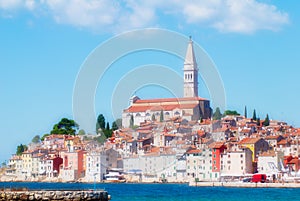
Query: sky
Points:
[44, 44]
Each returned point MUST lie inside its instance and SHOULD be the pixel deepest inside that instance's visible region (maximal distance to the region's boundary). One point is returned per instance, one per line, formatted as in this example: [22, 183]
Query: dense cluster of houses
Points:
[176, 150]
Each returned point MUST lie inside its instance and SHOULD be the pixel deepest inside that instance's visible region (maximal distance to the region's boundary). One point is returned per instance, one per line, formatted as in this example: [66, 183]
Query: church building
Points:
[191, 107]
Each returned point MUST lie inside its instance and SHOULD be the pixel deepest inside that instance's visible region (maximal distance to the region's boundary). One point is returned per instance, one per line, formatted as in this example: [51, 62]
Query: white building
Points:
[199, 165]
[96, 166]
[153, 167]
[237, 163]
[270, 163]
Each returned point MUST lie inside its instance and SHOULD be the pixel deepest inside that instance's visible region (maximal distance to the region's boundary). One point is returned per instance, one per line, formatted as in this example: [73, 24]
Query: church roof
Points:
[160, 100]
[137, 108]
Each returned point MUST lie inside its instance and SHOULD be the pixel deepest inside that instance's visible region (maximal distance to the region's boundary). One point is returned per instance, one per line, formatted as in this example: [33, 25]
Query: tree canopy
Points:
[65, 127]
[100, 124]
[254, 115]
[81, 132]
[217, 115]
[36, 139]
[20, 149]
[267, 121]
[231, 112]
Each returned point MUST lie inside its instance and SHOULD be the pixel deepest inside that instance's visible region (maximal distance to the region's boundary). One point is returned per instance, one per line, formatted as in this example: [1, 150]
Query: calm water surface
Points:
[171, 192]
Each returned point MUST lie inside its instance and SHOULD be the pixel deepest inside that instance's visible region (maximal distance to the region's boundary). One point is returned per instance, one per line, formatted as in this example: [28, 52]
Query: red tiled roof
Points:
[159, 100]
[137, 108]
[249, 140]
[272, 137]
[217, 145]
[194, 151]
[282, 142]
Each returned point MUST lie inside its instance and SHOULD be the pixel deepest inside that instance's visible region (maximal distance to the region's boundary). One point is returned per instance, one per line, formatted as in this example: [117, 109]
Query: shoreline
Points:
[191, 184]
[244, 185]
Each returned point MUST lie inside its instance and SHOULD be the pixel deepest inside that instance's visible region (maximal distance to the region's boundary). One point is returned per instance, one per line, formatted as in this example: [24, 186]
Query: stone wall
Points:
[54, 195]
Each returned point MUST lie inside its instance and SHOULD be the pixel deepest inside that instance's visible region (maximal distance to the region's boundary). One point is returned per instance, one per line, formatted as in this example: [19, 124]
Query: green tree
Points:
[258, 121]
[266, 121]
[43, 137]
[231, 112]
[108, 133]
[217, 115]
[254, 115]
[36, 139]
[131, 122]
[114, 126]
[81, 132]
[153, 117]
[65, 126]
[100, 124]
[107, 126]
[245, 112]
[119, 123]
[20, 149]
[161, 117]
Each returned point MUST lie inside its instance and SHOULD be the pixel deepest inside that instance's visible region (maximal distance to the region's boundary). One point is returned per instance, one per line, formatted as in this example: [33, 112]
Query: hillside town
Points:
[167, 140]
[176, 150]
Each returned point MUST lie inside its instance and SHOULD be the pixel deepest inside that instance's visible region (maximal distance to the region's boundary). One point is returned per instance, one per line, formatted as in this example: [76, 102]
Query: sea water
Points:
[169, 192]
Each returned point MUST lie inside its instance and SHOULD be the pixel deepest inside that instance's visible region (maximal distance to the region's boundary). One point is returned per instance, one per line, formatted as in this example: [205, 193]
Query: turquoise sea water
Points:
[171, 192]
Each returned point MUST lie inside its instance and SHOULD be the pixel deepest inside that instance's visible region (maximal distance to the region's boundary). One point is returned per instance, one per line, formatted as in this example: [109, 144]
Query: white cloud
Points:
[241, 16]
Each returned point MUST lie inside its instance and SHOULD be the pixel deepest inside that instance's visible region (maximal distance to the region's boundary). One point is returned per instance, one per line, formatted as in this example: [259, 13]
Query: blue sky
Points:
[43, 44]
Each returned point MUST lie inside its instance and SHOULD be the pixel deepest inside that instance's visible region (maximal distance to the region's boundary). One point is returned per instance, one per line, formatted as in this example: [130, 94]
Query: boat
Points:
[114, 176]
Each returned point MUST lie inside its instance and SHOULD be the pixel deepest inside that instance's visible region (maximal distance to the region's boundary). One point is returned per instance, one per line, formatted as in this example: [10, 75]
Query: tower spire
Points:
[190, 72]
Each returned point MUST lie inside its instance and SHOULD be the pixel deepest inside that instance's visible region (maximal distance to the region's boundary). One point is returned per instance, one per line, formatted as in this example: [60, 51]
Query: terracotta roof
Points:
[217, 145]
[138, 108]
[159, 100]
[272, 137]
[194, 151]
[283, 142]
[249, 140]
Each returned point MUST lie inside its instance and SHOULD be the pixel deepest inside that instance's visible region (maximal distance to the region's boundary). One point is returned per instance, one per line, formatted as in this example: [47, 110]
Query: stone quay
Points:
[52, 195]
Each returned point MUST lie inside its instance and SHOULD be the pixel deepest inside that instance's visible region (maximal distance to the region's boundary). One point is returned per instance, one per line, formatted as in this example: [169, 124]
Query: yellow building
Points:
[256, 145]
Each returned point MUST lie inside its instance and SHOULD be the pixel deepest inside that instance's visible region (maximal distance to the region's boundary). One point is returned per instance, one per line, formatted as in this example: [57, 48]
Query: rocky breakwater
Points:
[51, 195]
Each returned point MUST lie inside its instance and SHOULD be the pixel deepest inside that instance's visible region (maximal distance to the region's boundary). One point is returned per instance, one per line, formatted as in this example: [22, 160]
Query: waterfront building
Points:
[15, 166]
[236, 162]
[190, 107]
[217, 148]
[153, 167]
[26, 163]
[270, 163]
[199, 165]
[72, 168]
[96, 166]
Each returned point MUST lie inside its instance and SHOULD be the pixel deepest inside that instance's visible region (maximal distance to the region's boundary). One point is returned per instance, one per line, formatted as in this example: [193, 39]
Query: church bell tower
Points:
[190, 70]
